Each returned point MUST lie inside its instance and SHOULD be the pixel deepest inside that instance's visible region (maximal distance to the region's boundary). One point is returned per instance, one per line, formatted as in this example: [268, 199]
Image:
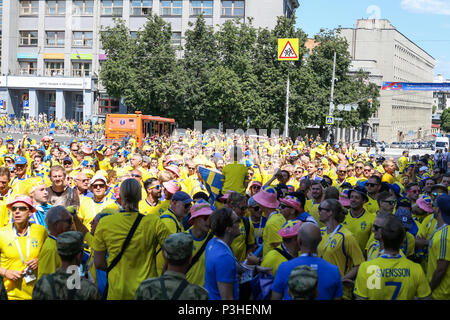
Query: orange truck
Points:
[139, 126]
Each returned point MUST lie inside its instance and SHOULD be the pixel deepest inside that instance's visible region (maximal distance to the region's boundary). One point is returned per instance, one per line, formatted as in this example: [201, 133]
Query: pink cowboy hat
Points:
[86, 149]
[200, 209]
[292, 202]
[424, 203]
[174, 169]
[226, 195]
[24, 199]
[173, 186]
[267, 198]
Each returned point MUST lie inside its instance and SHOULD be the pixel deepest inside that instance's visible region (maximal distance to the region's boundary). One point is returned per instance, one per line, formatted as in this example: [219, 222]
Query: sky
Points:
[425, 22]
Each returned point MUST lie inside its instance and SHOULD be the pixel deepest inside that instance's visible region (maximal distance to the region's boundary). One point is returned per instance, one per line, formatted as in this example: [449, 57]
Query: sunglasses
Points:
[391, 202]
[256, 187]
[324, 209]
[187, 206]
[191, 168]
[367, 170]
[136, 176]
[283, 206]
[414, 191]
[371, 184]
[98, 186]
[342, 171]
[21, 209]
[256, 208]
[157, 187]
[75, 150]
[376, 228]
[319, 169]
[359, 167]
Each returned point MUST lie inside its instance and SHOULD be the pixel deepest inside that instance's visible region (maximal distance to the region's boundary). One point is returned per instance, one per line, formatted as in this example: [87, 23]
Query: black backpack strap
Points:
[163, 288]
[180, 290]
[199, 252]
[247, 229]
[284, 254]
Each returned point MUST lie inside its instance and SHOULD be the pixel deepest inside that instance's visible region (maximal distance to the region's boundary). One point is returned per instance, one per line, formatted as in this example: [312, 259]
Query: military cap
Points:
[70, 243]
[302, 280]
[178, 246]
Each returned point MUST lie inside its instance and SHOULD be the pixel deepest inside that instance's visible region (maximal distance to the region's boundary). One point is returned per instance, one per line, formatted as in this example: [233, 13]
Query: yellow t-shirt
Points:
[146, 208]
[371, 206]
[407, 248]
[273, 259]
[89, 208]
[360, 227]
[235, 174]
[49, 259]
[313, 209]
[388, 178]
[271, 236]
[10, 258]
[196, 275]
[139, 257]
[391, 278]
[238, 246]
[437, 250]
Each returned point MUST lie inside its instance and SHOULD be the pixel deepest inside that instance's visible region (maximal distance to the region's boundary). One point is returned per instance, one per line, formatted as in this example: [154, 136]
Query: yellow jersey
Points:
[239, 245]
[274, 258]
[391, 277]
[360, 227]
[146, 208]
[437, 250]
[11, 258]
[196, 275]
[139, 258]
[271, 238]
[235, 174]
[371, 206]
[89, 208]
[49, 259]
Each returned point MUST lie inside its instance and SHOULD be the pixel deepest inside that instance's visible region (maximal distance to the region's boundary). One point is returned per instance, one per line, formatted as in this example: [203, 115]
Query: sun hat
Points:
[362, 191]
[86, 149]
[290, 228]
[24, 199]
[174, 169]
[267, 197]
[172, 186]
[202, 208]
[96, 178]
[292, 202]
[226, 195]
[425, 203]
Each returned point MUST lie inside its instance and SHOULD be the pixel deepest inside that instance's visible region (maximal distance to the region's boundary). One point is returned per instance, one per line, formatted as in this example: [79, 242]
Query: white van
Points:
[441, 143]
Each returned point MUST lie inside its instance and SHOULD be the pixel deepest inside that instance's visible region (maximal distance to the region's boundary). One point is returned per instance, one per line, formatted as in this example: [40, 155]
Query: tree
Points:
[445, 120]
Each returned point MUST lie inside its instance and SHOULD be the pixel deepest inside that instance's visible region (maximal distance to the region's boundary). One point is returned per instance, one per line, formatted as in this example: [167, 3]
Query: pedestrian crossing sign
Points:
[288, 49]
[329, 120]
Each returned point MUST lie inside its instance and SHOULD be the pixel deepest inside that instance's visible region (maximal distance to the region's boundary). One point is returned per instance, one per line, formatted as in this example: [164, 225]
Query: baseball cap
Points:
[98, 177]
[182, 196]
[443, 203]
[70, 243]
[21, 160]
[405, 217]
[68, 159]
[178, 246]
[302, 280]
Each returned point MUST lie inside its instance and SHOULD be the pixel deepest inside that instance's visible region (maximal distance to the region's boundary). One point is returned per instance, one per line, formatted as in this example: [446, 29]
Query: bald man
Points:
[330, 282]
[82, 185]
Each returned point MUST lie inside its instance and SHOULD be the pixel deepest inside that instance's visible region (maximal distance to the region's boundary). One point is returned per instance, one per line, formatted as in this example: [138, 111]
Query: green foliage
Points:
[445, 120]
[228, 74]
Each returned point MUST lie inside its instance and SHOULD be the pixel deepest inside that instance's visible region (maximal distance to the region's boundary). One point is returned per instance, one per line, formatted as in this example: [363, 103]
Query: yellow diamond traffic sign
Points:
[288, 49]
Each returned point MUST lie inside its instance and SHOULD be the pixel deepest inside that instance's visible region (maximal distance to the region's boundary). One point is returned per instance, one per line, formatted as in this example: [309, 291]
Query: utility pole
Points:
[330, 111]
[286, 123]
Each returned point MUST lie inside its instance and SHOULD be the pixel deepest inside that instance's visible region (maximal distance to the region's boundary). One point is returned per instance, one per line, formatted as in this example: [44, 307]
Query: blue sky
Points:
[425, 22]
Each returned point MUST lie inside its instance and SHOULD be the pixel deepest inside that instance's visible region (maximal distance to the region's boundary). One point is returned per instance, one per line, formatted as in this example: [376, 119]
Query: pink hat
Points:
[267, 198]
[424, 203]
[200, 209]
[343, 199]
[25, 199]
[293, 202]
[290, 228]
[169, 159]
[226, 195]
[173, 186]
[86, 149]
[255, 182]
[174, 169]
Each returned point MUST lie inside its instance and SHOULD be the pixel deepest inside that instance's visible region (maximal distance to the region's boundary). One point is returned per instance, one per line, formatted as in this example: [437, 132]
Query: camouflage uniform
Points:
[55, 286]
[303, 282]
[178, 247]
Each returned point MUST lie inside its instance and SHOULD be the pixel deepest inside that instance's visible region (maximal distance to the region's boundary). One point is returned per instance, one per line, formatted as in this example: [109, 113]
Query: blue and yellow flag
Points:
[213, 182]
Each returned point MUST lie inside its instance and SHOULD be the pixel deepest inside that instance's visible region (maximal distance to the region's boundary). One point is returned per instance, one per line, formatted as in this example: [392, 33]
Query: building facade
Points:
[402, 115]
[51, 53]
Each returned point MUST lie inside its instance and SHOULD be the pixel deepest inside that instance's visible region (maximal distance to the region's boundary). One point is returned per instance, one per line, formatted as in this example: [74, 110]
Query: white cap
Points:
[98, 177]
[423, 169]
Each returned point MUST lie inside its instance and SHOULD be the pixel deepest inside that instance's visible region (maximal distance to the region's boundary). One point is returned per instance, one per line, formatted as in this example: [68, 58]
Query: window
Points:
[54, 68]
[83, 7]
[108, 104]
[28, 8]
[54, 39]
[82, 39]
[141, 7]
[80, 69]
[233, 8]
[176, 39]
[203, 6]
[133, 34]
[112, 7]
[28, 67]
[171, 8]
[55, 8]
[28, 38]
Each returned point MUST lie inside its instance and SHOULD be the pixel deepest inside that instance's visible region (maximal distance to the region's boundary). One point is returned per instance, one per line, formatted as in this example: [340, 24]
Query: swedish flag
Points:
[212, 181]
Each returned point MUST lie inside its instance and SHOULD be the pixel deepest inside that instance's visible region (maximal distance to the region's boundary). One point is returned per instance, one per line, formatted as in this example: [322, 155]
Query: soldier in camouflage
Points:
[303, 282]
[172, 285]
[66, 284]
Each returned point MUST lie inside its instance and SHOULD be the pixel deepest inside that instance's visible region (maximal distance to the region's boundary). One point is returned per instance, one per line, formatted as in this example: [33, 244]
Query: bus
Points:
[139, 126]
